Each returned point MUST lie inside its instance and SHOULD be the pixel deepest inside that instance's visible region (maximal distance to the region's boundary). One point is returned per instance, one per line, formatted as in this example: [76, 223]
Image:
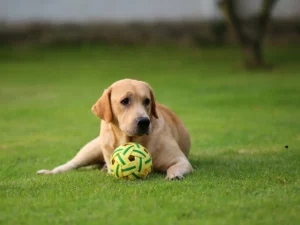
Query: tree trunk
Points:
[253, 55]
[252, 45]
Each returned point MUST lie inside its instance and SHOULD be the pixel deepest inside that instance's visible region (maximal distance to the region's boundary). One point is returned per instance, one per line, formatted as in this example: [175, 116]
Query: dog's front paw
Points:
[105, 169]
[173, 174]
[174, 177]
[44, 172]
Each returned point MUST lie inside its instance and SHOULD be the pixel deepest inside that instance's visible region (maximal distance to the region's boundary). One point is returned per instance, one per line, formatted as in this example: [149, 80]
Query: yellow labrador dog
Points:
[129, 112]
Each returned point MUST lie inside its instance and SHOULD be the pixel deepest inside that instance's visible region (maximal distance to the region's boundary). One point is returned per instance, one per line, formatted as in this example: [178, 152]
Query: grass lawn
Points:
[239, 121]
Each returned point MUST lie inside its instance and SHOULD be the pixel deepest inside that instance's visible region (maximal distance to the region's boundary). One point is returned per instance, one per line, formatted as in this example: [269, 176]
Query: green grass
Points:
[239, 121]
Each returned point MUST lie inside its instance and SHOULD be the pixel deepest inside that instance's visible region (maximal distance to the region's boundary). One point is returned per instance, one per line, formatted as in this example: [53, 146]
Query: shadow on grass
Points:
[281, 166]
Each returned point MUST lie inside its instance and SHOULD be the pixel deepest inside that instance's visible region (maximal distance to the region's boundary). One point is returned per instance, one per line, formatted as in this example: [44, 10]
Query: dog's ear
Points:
[153, 104]
[102, 108]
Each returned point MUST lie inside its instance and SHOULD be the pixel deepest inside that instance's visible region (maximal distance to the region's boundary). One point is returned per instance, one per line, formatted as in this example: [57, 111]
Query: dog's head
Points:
[129, 104]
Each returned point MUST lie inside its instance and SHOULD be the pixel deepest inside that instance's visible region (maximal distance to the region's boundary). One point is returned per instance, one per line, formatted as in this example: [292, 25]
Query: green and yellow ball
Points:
[131, 161]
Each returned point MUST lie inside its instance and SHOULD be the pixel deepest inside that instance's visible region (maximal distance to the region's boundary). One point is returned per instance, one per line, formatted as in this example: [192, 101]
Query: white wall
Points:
[283, 8]
[127, 10]
[116, 10]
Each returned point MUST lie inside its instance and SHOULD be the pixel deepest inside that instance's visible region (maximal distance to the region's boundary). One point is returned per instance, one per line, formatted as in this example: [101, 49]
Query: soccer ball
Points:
[131, 161]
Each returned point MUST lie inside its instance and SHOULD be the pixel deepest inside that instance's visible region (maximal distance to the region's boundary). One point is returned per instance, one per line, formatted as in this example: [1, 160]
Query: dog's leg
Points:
[181, 167]
[90, 154]
[171, 159]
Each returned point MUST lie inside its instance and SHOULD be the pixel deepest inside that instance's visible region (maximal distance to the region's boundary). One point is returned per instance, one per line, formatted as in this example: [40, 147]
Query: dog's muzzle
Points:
[143, 125]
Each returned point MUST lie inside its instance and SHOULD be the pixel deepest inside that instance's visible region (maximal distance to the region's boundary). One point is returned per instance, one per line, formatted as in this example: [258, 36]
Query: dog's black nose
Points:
[143, 125]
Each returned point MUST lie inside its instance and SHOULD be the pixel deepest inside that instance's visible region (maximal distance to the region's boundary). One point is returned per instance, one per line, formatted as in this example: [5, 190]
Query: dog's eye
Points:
[125, 101]
[146, 101]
